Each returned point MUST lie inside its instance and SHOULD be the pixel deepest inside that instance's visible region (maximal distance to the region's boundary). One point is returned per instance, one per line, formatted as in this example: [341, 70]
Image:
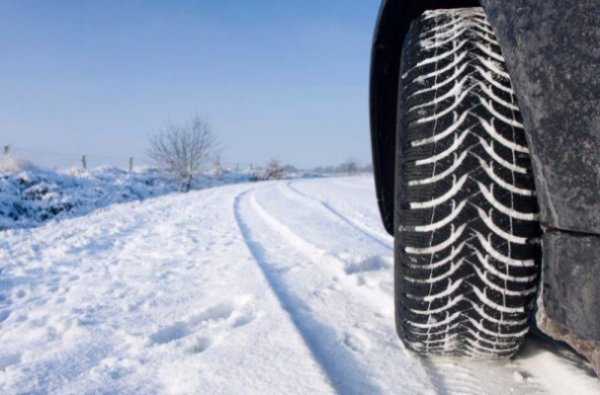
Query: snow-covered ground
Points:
[264, 288]
[31, 196]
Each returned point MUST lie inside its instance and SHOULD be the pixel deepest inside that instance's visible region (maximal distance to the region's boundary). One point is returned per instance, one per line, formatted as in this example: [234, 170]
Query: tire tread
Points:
[466, 213]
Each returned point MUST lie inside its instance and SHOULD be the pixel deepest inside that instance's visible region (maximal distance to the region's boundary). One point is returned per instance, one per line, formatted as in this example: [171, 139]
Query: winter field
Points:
[280, 287]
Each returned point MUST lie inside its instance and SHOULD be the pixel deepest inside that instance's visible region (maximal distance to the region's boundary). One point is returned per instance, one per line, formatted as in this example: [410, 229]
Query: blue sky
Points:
[285, 79]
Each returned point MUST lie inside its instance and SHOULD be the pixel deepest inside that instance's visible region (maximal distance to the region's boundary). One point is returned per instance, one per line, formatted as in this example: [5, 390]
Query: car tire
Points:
[466, 222]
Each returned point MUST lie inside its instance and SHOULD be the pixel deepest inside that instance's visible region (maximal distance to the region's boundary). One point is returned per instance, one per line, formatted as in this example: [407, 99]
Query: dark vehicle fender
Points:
[552, 53]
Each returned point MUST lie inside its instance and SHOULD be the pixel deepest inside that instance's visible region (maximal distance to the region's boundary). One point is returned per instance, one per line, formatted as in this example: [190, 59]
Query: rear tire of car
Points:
[466, 227]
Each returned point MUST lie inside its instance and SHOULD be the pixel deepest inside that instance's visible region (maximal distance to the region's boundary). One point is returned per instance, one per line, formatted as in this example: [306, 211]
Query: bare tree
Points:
[349, 166]
[274, 170]
[368, 168]
[183, 150]
[217, 167]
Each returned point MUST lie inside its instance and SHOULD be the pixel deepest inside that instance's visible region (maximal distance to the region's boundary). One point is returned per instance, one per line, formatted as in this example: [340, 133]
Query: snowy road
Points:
[267, 288]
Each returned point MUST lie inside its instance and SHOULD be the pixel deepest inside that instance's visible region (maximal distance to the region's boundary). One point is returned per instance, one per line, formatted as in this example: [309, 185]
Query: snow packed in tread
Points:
[466, 269]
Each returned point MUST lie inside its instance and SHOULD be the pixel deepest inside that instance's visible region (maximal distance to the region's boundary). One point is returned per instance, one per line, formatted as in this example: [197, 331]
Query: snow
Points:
[254, 288]
[31, 196]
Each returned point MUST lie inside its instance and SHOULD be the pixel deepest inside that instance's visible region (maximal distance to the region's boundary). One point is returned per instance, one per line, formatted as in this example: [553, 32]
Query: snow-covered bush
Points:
[11, 163]
[274, 170]
[30, 196]
[217, 168]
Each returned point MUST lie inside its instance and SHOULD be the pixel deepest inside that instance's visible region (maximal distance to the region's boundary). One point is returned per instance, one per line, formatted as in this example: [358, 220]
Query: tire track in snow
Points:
[336, 363]
[328, 261]
[352, 185]
[445, 375]
[203, 308]
[355, 350]
[385, 242]
[196, 238]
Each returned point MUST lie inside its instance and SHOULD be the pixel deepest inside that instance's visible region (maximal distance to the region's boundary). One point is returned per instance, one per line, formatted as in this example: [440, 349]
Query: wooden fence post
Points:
[130, 164]
[6, 150]
[83, 162]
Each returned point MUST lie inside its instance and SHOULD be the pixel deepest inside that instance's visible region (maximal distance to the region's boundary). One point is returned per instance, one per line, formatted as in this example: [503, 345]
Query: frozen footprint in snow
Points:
[243, 320]
[4, 314]
[357, 341]
[220, 311]
[114, 368]
[369, 264]
[216, 315]
[201, 344]
[170, 333]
